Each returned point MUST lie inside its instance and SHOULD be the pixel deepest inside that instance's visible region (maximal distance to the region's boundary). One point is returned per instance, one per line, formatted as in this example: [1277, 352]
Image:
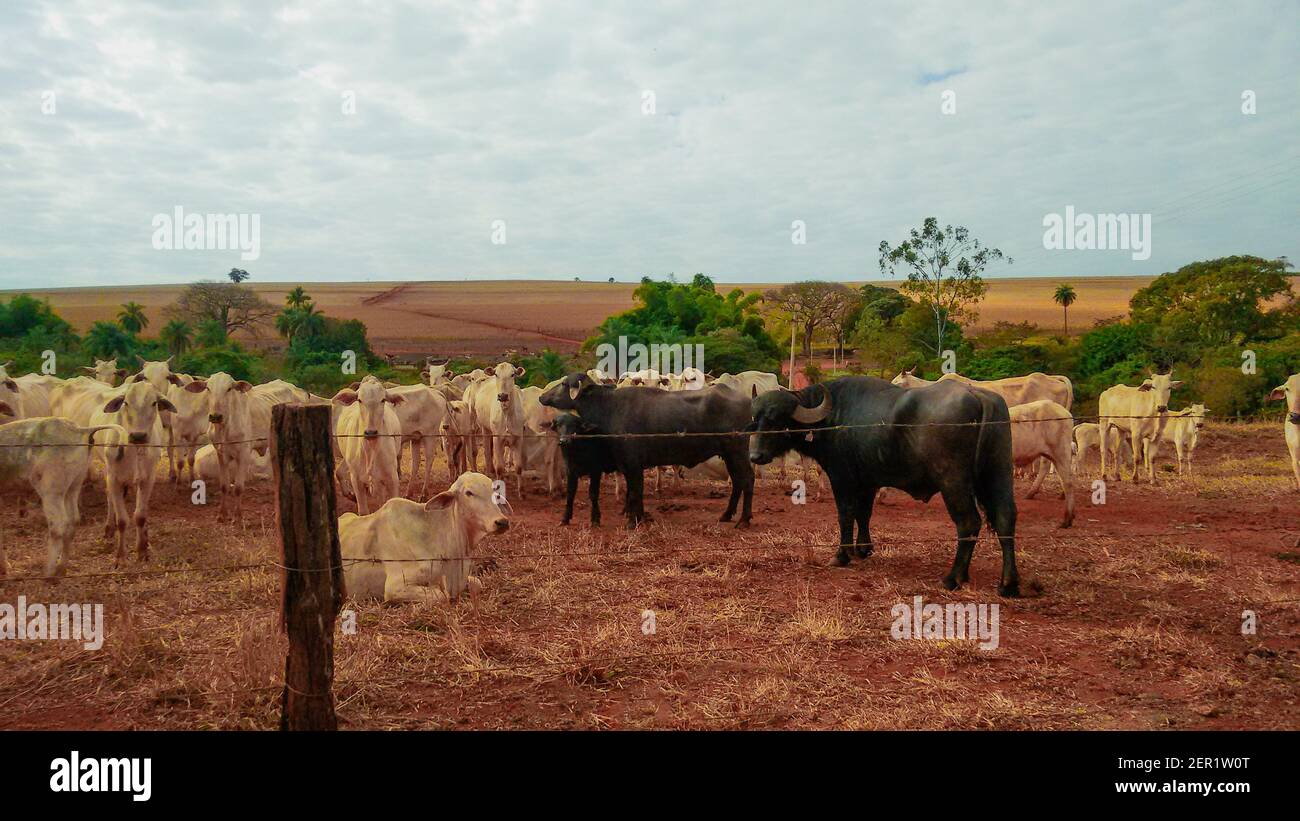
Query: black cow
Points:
[582, 457]
[946, 438]
[653, 411]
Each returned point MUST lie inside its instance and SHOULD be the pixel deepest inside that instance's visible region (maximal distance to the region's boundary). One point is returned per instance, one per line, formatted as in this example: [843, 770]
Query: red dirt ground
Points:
[1120, 627]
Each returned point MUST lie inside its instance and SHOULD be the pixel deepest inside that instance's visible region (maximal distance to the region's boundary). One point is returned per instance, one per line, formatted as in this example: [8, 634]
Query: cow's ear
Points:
[345, 397]
[1175, 384]
[243, 386]
[548, 425]
[114, 405]
[440, 502]
[394, 398]
[1278, 393]
[354, 386]
[1145, 386]
[5, 409]
[520, 372]
[138, 377]
[119, 373]
[197, 386]
[11, 385]
[174, 379]
[87, 368]
[164, 405]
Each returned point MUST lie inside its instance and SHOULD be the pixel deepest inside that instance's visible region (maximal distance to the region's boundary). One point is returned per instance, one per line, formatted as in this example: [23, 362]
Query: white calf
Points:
[412, 552]
[1043, 429]
[1183, 431]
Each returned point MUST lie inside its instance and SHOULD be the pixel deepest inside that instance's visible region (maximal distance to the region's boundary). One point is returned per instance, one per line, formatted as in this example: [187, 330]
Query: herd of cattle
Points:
[956, 437]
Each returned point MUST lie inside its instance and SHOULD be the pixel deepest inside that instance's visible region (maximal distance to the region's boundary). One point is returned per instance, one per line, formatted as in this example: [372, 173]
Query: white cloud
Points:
[531, 113]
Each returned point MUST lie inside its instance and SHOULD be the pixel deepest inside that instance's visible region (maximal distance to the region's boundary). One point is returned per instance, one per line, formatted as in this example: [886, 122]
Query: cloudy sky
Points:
[383, 141]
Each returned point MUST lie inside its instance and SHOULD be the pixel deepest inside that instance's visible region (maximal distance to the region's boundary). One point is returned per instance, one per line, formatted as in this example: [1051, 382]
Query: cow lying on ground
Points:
[51, 456]
[412, 552]
[947, 438]
[1043, 430]
[663, 415]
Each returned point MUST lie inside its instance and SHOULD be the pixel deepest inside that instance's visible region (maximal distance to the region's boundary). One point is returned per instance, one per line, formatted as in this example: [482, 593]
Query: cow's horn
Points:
[811, 416]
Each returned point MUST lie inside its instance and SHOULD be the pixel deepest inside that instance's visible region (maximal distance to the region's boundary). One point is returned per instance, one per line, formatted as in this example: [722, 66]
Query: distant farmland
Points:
[490, 317]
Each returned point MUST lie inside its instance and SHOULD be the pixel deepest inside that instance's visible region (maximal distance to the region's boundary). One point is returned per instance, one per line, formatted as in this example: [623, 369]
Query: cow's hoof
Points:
[949, 583]
[840, 559]
[1009, 591]
[564, 523]
[1066, 523]
[595, 522]
[743, 524]
[863, 550]
[726, 517]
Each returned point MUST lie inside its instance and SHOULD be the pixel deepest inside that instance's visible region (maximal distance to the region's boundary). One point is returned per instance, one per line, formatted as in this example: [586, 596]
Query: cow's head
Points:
[227, 397]
[470, 498]
[569, 391]
[568, 425]
[692, 379]
[504, 376]
[6, 382]
[1160, 384]
[1198, 412]
[6, 412]
[155, 373]
[908, 379]
[1289, 392]
[436, 375]
[791, 414]
[105, 370]
[137, 408]
[374, 398]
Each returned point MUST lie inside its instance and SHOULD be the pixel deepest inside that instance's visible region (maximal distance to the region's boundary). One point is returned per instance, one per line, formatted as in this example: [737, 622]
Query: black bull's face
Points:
[779, 423]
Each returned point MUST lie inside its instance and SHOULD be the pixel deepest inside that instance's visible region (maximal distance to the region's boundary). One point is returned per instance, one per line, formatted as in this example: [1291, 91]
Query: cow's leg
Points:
[58, 524]
[1103, 428]
[593, 494]
[966, 516]
[1065, 473]
[635, 505]
[143, 490]
[1000, 505]
[171, 450]
[570, 492]
[223, 480]
[430, 449]
[1040, 474]
[845, 506]
[118, 518]
[1135, 442]
[866, 503]
[1178, 451]
[1152, 449]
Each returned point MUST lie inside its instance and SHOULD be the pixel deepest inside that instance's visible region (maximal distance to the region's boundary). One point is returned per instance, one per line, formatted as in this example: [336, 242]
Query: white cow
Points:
[136, 408]
[690, 379]
[1289, 391]
[51, 456]
[435, 375]
[420, 414]
[79, 398]
[648, 378]
[1143, 412]
[369, 437]
[496, 404]
[464, 380]
[1183, 431]
[1087, 435]
[230, 418]
[262, 398]
[106, 371]
[189, 424]
[541, 444]
[1044, 430]
[1016, 390]
[23, 400]
[159, 374]
[412, 552]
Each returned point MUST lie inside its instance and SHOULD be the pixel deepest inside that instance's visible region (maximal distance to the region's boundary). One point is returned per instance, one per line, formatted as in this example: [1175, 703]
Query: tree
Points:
[810, 305]
[211, 334]
[235, 307]
[1064, 297]
[177, 335]
[106, 340]
[238, 275]
[845, 310]
[301, 321]
[297, 297]
[944, 267]
[1219, 301]
[132, 318]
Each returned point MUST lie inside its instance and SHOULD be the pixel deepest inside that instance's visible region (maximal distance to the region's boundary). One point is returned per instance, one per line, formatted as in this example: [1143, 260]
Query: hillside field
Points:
[474, 318]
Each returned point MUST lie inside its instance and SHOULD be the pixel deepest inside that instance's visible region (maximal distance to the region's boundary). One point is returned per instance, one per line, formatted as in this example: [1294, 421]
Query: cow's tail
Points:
[990, 421]
[121, 432]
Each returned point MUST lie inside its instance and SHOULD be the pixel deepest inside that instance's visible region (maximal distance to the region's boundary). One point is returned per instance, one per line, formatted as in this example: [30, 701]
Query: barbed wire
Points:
[1230, 421]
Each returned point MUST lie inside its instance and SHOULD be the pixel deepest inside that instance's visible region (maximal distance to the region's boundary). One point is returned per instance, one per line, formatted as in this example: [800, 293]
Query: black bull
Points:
[642, 411]
[946, 438]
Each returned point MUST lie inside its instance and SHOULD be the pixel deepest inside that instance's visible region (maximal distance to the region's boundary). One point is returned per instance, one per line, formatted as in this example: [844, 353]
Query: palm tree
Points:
[305, 321]
[1065, 297]
[132, 318]
[177, 336]
[105, 340]
[296, 298]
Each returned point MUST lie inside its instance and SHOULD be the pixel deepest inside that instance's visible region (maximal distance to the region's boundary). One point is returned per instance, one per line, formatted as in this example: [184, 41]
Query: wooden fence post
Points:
[312, 579]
